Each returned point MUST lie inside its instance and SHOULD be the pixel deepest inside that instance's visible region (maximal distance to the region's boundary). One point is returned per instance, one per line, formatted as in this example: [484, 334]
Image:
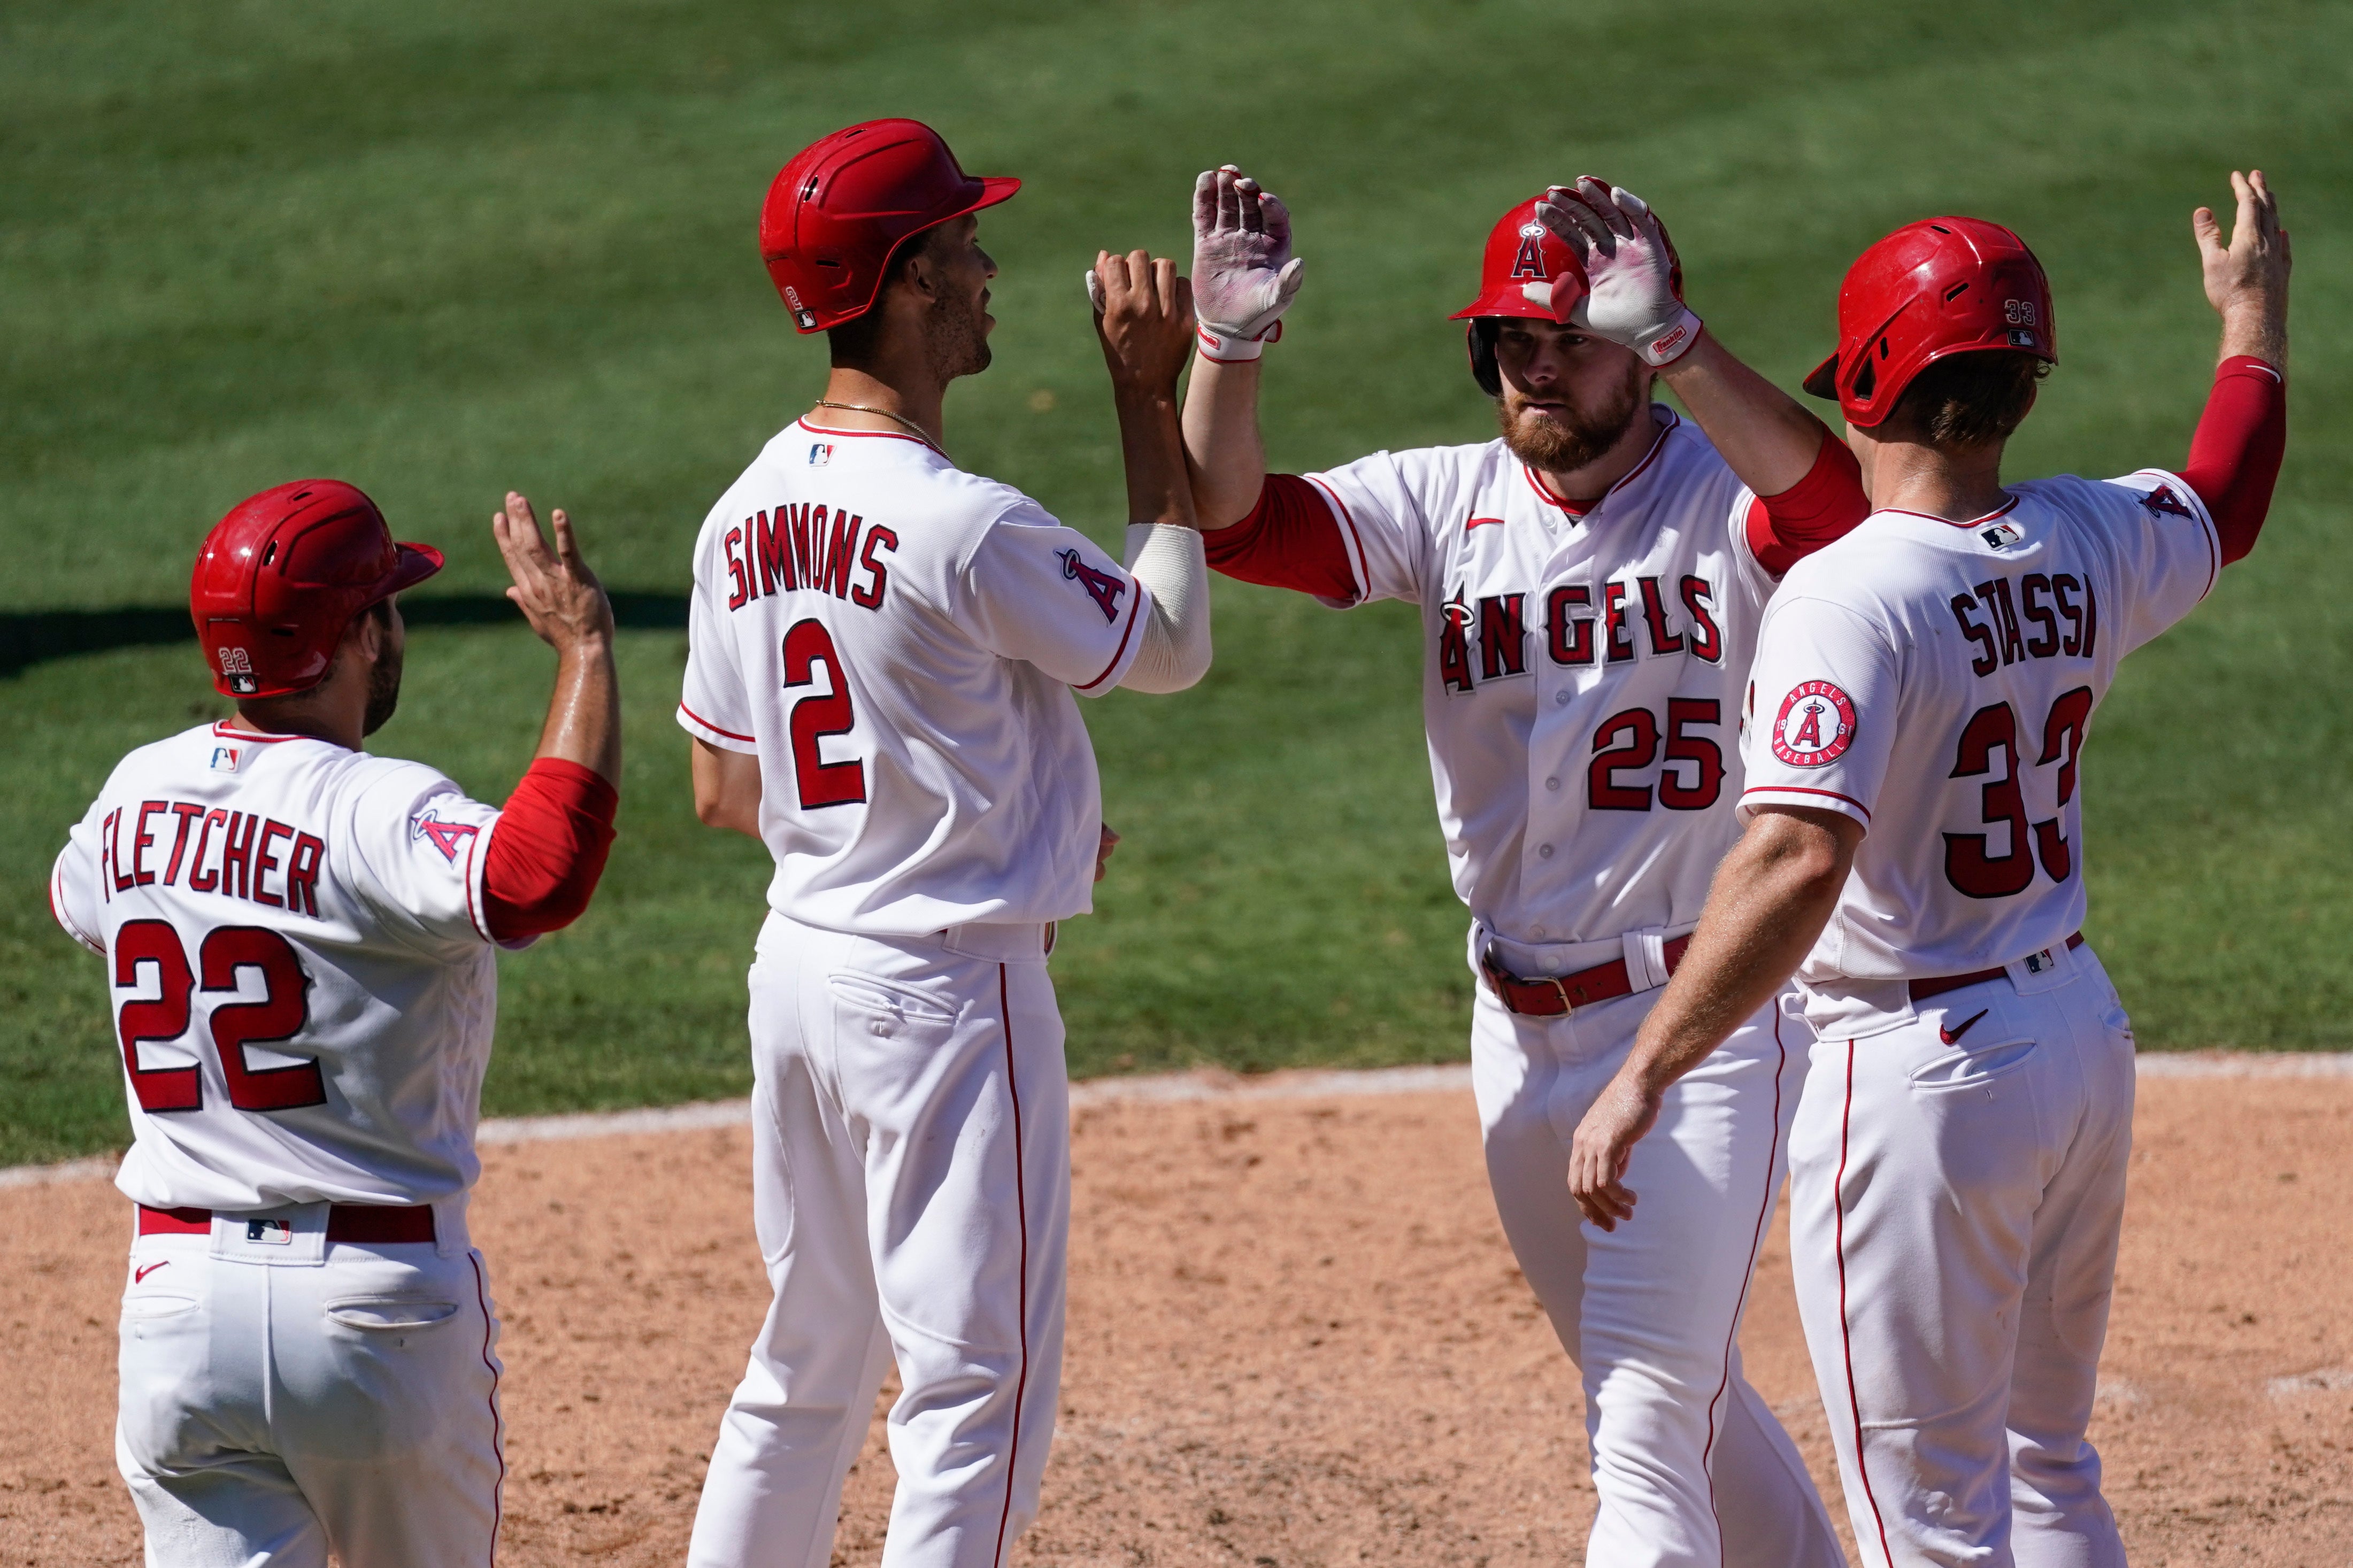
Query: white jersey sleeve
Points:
[1823, 697]
[76, 898]
[1037, 590]
[2164, 552]
[1377, 504]
[714, 705]
[419, 848]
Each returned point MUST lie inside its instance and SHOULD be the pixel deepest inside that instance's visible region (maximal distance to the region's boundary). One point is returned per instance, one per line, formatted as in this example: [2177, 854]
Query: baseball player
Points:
[1923, 690]
[1591, 585]
[883, 653]
[298, 938]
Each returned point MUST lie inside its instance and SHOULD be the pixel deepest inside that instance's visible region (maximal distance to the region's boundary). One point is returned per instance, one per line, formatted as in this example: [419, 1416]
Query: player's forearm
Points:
[1772, 896]
[584, 717]
[2256, 327]
[1170, 563]
[1768, 438]
[1223, 447]
[1152, 446]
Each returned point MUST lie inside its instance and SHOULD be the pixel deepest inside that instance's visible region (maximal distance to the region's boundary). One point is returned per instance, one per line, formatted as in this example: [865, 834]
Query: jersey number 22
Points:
[280, 1014]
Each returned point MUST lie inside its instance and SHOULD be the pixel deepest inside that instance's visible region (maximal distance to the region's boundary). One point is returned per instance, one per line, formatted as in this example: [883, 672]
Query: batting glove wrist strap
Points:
[1232, 346]
[1668, 342]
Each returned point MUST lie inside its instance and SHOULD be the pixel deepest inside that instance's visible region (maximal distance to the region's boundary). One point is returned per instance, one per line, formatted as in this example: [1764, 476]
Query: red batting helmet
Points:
[1941, 286]
[284, 574]
[843, 207]
[1528, 272]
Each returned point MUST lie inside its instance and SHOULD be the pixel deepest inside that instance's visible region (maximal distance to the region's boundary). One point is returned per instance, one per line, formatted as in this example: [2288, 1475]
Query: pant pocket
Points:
[1977, 1065]
[390, 1312]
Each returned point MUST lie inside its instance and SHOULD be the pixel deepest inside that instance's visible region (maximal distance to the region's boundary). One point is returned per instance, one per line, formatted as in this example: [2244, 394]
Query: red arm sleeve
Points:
[2234, 458]
[1290, 540]
[1818, 509]
[548, 850]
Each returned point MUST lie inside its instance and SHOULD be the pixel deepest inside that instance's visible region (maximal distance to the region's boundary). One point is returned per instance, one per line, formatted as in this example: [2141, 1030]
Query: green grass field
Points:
[440, 249]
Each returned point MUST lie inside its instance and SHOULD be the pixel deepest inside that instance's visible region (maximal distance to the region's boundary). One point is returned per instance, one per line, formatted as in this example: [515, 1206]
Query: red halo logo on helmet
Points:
[1815, 727]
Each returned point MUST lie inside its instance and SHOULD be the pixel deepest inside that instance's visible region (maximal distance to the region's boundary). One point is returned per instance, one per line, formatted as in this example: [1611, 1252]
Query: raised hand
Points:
[2246, 276]
[1634, 283]
[1144, 316]
[554, 589]
[1244, 276]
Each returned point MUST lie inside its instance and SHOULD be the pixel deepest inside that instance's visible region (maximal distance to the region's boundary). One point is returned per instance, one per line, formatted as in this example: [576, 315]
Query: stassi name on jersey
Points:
[1989, 614]
[230, 853]
[1577, 630]
[802, 549]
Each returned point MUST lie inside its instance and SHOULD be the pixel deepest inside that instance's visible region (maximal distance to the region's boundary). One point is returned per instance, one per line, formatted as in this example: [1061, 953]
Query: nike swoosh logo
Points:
[1950, 1036]
[151, 1268]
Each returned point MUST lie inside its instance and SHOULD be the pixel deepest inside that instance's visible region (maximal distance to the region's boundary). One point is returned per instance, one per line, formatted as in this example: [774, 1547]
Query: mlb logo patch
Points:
[225, 759]
[2002, 535]
[270, 1232]
[2038, 963]
[236, 668]
[820, 454]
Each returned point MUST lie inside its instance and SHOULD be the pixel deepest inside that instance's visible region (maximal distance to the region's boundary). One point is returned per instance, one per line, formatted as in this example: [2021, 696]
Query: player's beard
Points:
[1560, 443]
[956, 335]
[383, 691]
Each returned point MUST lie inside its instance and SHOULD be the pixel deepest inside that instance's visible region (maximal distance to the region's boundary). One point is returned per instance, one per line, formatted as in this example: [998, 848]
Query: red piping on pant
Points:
[1846, 1339]
[498, 1426]
[1021, 1211]
[1756, 1240]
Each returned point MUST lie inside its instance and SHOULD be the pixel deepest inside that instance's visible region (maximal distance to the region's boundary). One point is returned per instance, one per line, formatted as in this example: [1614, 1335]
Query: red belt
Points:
[1550, 996]
[369, 1225]
[1924, 989]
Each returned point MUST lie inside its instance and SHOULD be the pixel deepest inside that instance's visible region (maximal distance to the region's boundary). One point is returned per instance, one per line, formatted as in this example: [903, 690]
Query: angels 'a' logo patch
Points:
[446, 836]
[1816, 725]
[2164, 502]
[1101, 586]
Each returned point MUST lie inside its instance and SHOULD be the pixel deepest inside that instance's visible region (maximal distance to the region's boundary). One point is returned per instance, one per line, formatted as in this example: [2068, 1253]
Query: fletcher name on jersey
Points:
[300, 948]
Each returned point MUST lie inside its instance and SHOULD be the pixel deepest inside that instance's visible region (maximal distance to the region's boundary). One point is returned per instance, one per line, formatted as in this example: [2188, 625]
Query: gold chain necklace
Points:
[863, 408]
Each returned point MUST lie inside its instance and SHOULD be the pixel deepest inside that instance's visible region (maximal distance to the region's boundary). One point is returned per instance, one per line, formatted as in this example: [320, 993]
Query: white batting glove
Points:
[1633, 296]
[1244, 276]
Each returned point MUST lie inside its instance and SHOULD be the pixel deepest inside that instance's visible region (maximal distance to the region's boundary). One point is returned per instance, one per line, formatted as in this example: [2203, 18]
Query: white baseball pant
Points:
[283, 1397]
[1954, 1206]
[911, 1192]
[1689, 1468]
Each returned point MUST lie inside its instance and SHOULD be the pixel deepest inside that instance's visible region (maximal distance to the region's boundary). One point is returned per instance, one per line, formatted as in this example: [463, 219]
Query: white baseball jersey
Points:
[1583, 680]
[897, 641]
[1935, 681]
[303, 984]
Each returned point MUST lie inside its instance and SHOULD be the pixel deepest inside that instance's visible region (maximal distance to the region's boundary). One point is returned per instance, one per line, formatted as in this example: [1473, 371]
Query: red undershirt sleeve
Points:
[2235, 458]
[1290, 540]
[1818, 509]
[548, 850]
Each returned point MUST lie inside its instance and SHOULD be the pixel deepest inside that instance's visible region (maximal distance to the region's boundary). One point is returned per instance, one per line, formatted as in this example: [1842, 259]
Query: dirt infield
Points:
[1296, 1337]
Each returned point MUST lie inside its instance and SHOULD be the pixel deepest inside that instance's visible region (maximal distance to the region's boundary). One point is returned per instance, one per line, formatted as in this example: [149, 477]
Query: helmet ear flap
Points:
[1479, 340]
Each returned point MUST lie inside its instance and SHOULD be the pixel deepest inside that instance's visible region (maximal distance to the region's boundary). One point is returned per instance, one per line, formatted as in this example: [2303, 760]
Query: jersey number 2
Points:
[820, 714]
[1967, 867]
[280, 1014]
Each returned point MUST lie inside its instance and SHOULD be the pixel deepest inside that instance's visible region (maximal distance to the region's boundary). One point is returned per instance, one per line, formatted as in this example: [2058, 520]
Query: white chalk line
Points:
[1174, 1089]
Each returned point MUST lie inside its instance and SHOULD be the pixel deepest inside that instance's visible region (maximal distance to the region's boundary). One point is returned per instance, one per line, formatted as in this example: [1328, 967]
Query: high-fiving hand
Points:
[1144, 316]
[2246, 276]
[1244, 276]
[554, 589]
[1634, 284]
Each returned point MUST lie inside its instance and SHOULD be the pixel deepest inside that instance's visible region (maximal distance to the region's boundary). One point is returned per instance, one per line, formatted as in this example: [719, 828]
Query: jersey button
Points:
[1544, 851]
[1552, 784]
[1537, 932]
[1561, 698]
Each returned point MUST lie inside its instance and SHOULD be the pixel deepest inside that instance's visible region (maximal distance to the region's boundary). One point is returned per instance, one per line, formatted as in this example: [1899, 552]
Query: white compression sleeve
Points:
[1168, 560]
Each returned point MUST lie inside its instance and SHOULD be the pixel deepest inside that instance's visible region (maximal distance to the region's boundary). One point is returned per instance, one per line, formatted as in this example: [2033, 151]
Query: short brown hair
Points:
[853, 341]
[1969, 399]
